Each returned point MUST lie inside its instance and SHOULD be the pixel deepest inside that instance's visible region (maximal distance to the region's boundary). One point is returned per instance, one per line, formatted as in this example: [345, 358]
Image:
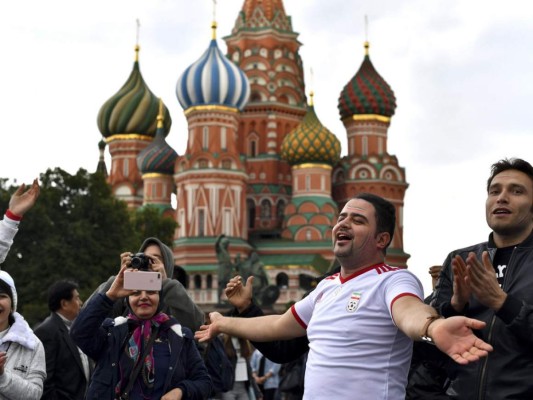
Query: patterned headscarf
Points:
[142, 331]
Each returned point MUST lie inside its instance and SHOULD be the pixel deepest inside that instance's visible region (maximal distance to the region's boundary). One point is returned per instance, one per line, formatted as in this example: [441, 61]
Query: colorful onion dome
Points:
[367, 93]
[311, 142]
[213, 80]
[133, 109]
[158, 156]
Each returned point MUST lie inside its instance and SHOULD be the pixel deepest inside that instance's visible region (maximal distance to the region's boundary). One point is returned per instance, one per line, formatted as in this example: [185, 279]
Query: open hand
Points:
[22, 200]
[208, 332]
[454, 337]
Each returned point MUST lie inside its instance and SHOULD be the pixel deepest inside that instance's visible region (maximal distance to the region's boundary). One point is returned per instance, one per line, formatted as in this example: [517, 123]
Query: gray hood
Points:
[168, 256]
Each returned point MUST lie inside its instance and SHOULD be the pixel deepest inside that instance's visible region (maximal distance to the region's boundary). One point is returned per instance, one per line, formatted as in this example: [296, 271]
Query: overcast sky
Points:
[462, 72]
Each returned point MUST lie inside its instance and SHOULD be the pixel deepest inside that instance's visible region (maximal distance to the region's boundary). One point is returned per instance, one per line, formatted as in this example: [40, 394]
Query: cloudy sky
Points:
[462, 72]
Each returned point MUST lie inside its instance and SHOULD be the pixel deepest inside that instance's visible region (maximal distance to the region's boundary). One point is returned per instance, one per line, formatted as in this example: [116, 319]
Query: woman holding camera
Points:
[174, 297]
[145, 355]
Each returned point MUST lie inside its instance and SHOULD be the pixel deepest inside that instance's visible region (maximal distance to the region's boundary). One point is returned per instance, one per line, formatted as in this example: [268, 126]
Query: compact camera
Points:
[141, 262]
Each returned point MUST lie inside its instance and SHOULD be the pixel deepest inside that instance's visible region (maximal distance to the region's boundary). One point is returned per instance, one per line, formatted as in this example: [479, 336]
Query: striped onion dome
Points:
[213, 80]
[133, 109]
[158, 156]
[367, 93]
[311, 142]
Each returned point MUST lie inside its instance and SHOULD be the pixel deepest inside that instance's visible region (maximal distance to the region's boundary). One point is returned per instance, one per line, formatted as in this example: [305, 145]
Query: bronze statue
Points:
[264, 293]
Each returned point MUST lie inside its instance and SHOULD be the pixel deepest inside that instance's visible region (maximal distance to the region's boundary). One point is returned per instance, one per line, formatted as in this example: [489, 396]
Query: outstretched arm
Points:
[452, 336]
[260, 329]
[278, 351]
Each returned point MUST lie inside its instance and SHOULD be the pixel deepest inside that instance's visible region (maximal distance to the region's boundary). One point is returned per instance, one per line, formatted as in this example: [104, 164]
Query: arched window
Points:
[253, 148]
[205, 138]
[250, 205]
[197, 282]
[209, 281]
[280, 212]
[282, 280]
[266, 209]
[223, 138]
[365, 146]
[201, 222]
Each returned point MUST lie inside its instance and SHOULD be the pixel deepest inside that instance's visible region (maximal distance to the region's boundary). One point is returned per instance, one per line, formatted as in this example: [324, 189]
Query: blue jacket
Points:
[103, 340]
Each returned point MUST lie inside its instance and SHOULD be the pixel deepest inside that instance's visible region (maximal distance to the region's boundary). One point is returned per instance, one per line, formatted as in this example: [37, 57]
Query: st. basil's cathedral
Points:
[259, 167]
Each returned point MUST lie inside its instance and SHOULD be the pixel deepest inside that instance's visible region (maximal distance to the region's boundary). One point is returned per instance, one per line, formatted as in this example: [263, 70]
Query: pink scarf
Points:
[141, 334]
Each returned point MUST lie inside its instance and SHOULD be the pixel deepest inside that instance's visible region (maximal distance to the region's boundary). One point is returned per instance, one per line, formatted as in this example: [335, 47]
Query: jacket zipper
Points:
[492, 322]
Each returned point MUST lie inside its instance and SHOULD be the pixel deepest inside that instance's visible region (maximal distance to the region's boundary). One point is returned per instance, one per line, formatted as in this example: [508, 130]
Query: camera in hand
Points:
[141, 262]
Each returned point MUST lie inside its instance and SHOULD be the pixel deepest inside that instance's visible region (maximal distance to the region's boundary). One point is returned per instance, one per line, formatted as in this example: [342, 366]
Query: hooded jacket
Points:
[174, 298]
[506, 372]
[103, 340]
[8, 230]
[25, 369]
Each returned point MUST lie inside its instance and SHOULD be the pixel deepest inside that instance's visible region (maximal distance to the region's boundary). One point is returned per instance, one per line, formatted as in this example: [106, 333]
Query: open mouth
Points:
[343, 236]
[500, 211]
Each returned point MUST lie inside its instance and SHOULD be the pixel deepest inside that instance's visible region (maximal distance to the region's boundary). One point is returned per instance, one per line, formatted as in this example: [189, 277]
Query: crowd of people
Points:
[365, 331]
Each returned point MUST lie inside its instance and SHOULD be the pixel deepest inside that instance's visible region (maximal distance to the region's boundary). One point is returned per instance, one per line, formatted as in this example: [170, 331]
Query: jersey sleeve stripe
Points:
[297, 317]
[400, 296]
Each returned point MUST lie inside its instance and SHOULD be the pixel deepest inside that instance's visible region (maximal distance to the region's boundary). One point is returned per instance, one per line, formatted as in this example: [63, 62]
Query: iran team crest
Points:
[353, 302]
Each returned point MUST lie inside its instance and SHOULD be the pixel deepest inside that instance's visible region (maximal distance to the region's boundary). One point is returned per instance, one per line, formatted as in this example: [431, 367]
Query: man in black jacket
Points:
[67, 368]
[492, 281]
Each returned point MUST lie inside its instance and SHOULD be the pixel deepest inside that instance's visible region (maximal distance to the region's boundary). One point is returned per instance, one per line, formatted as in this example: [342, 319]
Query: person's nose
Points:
[503, 197]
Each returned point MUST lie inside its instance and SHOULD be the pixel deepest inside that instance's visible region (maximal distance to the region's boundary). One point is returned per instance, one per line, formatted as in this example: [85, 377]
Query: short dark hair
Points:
[60, 290]
[507, 164]
[385, 213]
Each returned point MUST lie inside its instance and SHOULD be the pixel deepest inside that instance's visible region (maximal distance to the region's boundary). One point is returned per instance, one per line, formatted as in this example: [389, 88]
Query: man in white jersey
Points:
[361, 321]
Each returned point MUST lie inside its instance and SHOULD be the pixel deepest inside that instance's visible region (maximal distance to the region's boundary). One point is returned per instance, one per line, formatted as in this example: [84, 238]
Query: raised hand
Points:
[117, 291]
[461, 285]
[22, 200]
[238, 295]
[157, 265]
[454, 337]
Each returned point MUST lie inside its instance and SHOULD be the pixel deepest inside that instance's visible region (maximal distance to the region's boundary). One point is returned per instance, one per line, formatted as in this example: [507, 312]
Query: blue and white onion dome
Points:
[213, 80]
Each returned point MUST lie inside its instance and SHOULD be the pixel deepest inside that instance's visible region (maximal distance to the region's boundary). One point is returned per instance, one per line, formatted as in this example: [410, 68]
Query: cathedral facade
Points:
[259, 166]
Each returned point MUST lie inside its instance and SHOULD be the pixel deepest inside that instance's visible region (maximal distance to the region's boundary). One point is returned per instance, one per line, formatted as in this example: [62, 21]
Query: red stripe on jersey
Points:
[399, 296]
[331, 277]
[385, 268]
[297, 317]
[360, 272]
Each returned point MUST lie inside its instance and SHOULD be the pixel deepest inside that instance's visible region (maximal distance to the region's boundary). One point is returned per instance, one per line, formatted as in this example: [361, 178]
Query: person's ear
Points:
[383, 240]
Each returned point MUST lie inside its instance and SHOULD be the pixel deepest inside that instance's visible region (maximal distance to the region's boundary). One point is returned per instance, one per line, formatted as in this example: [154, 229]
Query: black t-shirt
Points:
[500, 262]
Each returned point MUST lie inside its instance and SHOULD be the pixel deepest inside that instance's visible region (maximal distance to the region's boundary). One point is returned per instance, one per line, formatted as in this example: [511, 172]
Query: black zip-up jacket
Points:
[507, 372]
